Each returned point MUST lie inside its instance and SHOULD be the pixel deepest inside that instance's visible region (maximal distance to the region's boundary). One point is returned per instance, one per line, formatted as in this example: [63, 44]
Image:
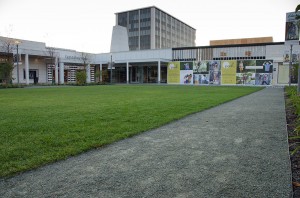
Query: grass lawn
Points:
[43, 125]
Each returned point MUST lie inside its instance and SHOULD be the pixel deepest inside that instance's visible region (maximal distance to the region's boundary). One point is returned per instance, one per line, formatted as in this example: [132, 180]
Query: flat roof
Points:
[256, 40]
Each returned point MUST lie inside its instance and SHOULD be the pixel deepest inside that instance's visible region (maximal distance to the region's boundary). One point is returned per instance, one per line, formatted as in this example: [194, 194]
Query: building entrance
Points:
[136, 74]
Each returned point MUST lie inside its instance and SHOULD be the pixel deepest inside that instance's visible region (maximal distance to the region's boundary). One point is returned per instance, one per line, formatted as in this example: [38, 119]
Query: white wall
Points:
[276, 53]
[35, 63]
[135, 56]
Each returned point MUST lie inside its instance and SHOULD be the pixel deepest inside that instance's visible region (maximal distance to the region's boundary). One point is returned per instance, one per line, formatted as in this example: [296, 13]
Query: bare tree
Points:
[7, 45]
[50, 60]
[86, 59]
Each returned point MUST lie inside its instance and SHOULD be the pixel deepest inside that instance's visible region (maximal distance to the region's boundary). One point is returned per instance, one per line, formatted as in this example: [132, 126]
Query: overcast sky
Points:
[86, 25]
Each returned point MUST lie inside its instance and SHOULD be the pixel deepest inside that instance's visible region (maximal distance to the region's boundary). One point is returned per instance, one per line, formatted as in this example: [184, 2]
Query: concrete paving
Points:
[238, 149]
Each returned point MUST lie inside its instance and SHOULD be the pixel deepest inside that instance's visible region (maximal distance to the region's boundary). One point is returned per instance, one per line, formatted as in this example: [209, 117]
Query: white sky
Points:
[86, 25]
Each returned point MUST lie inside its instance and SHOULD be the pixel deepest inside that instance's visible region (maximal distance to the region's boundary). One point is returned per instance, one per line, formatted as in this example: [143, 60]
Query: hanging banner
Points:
[292, 28]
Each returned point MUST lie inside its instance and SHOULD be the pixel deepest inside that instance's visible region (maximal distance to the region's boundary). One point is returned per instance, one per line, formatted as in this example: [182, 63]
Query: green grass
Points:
[294, 101]
[43, 125]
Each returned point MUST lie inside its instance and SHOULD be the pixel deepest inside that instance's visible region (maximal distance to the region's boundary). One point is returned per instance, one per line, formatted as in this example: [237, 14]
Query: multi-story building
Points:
[152, 28]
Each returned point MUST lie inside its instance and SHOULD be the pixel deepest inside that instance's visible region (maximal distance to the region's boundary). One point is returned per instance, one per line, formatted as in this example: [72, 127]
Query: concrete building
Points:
[154, 56]
[152, 28]
[154, 66]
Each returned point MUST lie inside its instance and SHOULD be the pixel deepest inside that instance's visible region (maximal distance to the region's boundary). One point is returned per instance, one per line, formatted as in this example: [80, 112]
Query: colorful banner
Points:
[214, 72]
[200, 79]
[263, 79]
[201, 67]
[173, 76]
[186, 65]
[292, 28]
[245, 72]
[266, 66]
[228, 71]
[186, 77]
[186, 72]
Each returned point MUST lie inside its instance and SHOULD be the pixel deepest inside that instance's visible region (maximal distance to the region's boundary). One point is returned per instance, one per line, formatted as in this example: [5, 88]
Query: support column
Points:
[101, 72]
[61, 73]
[88, 73]
[27, 68]
[127, 72]
[56, 70]
[158, 73]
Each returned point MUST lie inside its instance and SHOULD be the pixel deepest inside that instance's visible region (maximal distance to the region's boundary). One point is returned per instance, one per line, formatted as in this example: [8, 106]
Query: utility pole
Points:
[18, 78]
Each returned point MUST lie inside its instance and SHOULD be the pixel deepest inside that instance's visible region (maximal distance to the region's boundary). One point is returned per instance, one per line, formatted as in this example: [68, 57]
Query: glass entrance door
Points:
[136, 74]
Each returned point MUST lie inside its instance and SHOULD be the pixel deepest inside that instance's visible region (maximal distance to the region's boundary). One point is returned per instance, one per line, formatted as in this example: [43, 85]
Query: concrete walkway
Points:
[238, 149]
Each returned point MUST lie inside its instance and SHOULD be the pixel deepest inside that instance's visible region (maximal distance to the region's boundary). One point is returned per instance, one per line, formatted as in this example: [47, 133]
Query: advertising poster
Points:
[186, 77]
[263, 78]
[245, 72]
[186, 72]
[201, 67]
[214, 72]
[173, 76]
[244, 66]
[264, 66]
[201, 79]
[295, 57]
[247, 78]
[186, 66]
[228, 71]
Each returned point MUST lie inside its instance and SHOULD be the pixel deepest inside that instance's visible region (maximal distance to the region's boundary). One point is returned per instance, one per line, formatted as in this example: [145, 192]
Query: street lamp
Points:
[17, 43]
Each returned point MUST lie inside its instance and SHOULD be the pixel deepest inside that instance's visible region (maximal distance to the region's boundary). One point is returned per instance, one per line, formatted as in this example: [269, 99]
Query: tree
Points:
[81, 76]
[51, 53]
[296, 10]
[6, 66]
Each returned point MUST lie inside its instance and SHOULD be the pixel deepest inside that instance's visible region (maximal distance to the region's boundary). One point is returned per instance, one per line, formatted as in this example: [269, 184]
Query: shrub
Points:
[6, 69]
[81, 77]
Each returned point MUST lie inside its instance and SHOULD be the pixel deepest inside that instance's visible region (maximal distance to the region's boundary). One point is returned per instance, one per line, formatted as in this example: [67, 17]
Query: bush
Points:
[6, 69]
[294, 98]
[81, 77]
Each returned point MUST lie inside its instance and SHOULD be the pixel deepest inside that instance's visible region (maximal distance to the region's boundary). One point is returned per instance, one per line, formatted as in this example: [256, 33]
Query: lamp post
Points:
[17, 43]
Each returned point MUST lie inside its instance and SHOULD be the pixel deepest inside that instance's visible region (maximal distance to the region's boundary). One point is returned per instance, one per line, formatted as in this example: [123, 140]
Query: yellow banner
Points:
[173, 72]
[228, 71]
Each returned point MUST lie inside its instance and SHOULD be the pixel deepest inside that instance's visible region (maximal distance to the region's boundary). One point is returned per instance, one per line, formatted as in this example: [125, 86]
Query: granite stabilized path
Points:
[238, 149]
